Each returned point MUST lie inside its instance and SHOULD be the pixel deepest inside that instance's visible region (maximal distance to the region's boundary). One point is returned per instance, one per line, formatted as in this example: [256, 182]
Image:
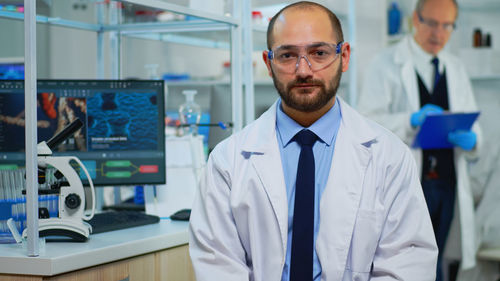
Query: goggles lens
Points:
[318, 56]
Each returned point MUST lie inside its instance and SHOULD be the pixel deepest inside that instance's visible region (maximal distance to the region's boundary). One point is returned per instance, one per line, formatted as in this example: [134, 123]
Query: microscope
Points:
[71, 219]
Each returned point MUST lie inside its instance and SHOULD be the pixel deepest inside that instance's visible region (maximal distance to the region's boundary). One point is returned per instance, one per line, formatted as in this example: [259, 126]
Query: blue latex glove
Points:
[417, 118]
[463, 139]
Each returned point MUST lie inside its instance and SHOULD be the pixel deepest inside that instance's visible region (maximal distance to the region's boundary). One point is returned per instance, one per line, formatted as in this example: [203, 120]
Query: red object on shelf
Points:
[256, 14]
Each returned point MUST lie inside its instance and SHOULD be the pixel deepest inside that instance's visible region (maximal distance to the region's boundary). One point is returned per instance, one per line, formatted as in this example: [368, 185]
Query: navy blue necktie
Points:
[301, 264]
[435, 62]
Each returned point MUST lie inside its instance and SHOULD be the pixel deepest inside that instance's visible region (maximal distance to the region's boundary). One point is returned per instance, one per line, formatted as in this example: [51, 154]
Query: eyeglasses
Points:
[447, 26]
[318, 56]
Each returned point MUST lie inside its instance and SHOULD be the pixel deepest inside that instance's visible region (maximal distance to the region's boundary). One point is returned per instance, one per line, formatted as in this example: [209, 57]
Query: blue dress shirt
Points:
[326, 129]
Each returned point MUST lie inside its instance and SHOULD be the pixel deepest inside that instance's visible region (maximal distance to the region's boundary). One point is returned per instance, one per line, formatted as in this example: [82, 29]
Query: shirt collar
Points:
[419, 53]
[287, 128]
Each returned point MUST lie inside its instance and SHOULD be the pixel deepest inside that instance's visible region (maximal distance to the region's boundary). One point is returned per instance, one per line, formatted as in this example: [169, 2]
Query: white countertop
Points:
[61, 257]
[490, 254]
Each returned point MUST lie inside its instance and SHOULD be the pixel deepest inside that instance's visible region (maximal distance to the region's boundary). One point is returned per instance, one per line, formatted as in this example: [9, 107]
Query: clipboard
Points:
[433, 133]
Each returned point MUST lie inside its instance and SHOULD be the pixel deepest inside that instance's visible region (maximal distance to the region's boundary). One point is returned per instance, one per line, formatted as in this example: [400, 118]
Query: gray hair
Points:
[420, 6]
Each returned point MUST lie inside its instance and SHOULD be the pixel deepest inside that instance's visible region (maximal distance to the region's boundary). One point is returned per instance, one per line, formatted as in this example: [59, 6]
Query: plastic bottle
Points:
[189, 113]
[228, 8]
[394, 19]
[257, 18]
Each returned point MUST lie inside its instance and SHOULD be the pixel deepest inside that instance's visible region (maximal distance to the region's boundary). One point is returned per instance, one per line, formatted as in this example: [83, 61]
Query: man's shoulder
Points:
[363, 126]
[385, 142]
[384, 135]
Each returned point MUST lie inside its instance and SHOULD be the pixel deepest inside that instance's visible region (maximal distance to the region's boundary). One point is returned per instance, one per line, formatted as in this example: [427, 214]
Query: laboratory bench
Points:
[151, 252]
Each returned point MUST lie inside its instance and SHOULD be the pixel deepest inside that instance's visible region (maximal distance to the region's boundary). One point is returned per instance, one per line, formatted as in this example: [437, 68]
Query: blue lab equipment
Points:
[16, 209]
[139, 195]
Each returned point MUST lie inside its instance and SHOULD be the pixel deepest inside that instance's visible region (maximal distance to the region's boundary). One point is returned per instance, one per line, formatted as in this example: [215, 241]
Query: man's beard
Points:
[319, 101]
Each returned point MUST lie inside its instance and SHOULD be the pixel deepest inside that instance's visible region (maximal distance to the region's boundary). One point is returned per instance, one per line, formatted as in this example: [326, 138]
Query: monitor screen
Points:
[122, 141]
[10, 71]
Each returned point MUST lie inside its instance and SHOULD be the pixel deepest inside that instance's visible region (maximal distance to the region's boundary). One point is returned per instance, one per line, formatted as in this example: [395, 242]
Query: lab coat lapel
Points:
[341, 198]
[456, 95]
[266, 160]
[454, 90]
[403, 57]
[408, 77]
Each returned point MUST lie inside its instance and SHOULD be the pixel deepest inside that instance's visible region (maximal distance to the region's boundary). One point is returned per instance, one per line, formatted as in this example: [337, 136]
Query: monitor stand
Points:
[127, 205]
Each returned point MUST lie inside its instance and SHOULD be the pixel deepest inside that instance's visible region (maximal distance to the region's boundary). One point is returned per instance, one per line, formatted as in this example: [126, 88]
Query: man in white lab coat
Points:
[344, 204]
[403, 84]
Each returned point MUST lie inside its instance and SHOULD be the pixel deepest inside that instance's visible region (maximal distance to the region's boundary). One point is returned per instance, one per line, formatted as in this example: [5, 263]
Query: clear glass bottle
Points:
[189, 113]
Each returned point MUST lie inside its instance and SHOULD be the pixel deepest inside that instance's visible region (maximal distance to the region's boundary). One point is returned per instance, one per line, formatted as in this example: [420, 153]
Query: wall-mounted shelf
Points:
[485, 77]
[56, 21]
[201, 33]
[164, 6]
[480, 6]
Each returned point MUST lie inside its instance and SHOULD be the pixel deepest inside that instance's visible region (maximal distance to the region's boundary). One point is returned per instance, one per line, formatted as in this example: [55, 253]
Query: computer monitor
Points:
[122, 141]
[11, 68]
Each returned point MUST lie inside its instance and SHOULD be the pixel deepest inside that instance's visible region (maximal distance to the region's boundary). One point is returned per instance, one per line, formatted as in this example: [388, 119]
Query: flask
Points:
[394, 19]
[189, 113]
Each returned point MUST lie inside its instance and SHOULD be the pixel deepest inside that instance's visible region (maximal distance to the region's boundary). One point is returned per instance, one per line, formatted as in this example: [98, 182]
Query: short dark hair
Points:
[420, 6]
[336, 26]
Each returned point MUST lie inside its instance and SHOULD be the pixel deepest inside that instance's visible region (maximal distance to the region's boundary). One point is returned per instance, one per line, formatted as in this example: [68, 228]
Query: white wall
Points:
[12, 42]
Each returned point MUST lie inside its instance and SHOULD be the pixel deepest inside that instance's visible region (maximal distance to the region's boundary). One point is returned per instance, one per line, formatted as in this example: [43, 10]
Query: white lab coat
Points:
[485, 176]
[390, 95]
[374, 222]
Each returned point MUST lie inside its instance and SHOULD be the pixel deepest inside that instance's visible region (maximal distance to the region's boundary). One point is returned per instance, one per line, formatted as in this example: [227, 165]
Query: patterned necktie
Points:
[435, 62]
[301, 264]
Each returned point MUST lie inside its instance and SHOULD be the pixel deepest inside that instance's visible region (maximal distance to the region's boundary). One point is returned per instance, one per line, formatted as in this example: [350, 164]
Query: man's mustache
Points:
[302, 81]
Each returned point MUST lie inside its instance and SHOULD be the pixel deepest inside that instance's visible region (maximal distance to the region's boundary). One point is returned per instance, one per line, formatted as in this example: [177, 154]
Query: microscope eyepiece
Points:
[65, 133]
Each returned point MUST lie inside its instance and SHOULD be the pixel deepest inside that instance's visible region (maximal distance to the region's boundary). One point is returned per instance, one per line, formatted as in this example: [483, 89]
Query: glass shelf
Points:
[53, 21]
[178, 9]
[146, 19]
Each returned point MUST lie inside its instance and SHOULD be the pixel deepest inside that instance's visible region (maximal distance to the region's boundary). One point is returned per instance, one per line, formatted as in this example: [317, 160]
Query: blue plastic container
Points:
[139, 195]
[394, 19]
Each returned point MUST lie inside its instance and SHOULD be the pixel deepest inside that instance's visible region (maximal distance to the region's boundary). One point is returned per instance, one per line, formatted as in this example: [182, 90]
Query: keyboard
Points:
[109, 221]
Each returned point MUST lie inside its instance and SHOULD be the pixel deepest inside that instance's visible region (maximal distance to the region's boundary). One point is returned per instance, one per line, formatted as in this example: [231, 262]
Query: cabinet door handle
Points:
[125, 279]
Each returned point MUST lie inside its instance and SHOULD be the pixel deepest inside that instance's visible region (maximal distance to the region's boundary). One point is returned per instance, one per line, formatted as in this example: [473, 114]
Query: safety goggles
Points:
[318, 56]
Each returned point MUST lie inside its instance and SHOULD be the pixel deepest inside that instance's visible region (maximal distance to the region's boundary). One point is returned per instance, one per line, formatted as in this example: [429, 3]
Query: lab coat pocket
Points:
[364, 242]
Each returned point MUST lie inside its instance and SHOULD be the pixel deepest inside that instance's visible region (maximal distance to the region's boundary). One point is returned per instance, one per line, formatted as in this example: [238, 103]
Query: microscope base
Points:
[72, 229]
